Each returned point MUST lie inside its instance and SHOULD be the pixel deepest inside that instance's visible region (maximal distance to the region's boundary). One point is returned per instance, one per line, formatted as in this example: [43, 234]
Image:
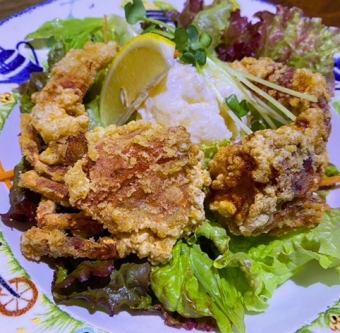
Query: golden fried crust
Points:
[65, 151]
[58, 110]
[31, 145]
[144, 183]
[252, 180]
[302, 80]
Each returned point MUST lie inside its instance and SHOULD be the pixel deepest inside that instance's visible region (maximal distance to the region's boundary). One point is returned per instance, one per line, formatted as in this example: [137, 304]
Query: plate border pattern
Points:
[51, 318]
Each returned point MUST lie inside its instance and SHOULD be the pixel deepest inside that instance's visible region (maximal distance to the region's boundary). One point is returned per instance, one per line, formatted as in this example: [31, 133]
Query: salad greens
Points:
[267, 262]
[301, 42]
[92, 109]
[163, 5]
[214, 19]
[190, 42]
[23, 202]
[286, 36]
[193, 45]
[193, 287]
[134, 11]
[210, 149]
[7, 104]
[97, 285]
[336, 105]
[214, 232]
[35, 84]
[245, 274]
[73, 33]
[64, 35]
[190, 10]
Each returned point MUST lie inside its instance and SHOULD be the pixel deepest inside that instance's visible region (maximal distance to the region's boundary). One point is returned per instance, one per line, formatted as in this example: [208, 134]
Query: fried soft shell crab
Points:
[138, 188]
[268, 181]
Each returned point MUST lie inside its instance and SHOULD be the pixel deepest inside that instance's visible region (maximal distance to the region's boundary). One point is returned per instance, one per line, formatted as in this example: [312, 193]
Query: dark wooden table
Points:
[328, 9]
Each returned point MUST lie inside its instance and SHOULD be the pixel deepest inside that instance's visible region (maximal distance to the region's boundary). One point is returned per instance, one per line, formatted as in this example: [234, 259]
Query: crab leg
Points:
[50, 189]
[37, 243]
[79, 224]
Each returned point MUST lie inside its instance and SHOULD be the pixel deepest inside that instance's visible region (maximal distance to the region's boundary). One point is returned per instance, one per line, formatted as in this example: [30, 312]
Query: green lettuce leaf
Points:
[190, 285]
[164, 5]
[336, 106]
[245, 276]
[121, 31]
[92, 109]
[214, 232]
[265, 263]
[92, 100]
[64, 35]
[7, 104]
[74, 33]
[331, 171]
[134, 11]
[214, 19]
[97, 286]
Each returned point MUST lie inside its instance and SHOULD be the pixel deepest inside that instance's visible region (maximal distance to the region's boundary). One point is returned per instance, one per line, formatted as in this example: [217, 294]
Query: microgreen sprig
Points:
[241, 109]
[193, 45]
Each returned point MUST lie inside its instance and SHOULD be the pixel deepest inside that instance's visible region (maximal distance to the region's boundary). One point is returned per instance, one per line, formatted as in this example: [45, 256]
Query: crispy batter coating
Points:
[77, 223]
[31, 146]
[144, 183]
[139, 188]
[306, 212]
[256, 182]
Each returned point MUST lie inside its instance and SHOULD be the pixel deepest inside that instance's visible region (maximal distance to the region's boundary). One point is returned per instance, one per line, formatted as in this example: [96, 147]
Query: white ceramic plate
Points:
[296, 304]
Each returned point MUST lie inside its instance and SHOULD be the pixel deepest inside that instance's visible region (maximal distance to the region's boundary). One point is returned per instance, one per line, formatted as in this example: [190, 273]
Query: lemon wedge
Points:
[138, 67]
